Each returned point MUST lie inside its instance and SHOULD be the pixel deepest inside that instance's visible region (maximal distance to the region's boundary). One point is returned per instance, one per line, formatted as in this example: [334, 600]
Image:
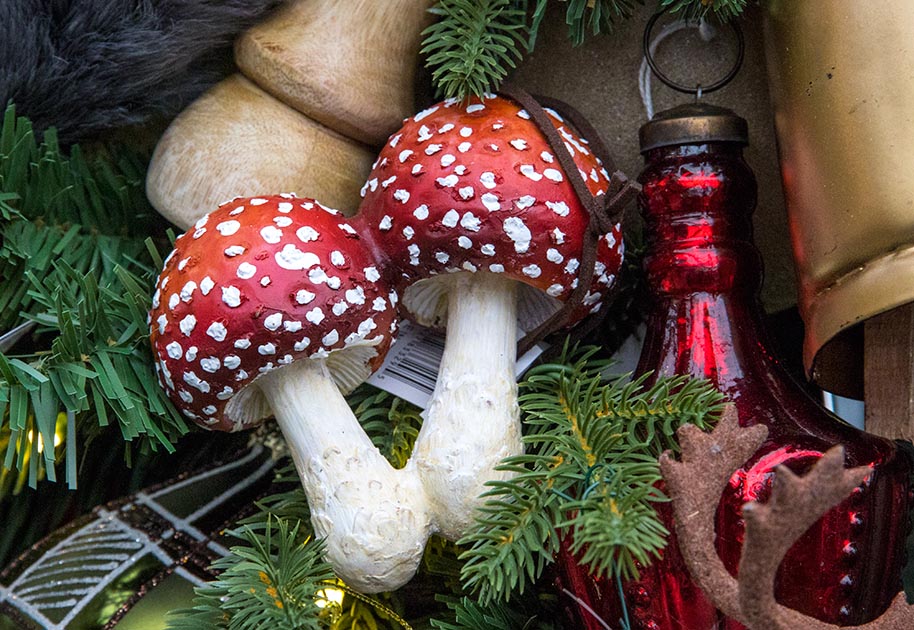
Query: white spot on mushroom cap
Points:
[306, 234]
[519, 143]
[379, 304]
[469, 266]
[315, 315]
[226, 393]
[387, 182]
[547, 157]
[355, 296]
[243, 343]
[258, 201]
[413, 254]
[366, 327]
[558, 236]
[477, 107]
[266, 349]
[282, 221]
[294, 259]
[404, 155]
[421, 212]
[554, 290]
[442, 257]
[525, 202]
[488, 249]
[337, 259]
[464, 242]
[187, 325]
[425, 112]
[553, 255]
[450, 218]
[466, 192]
[408, 232]
[553, 175]
[558, 207]
[206, 285]
[210, 364]
[191, 354]
[217, 331]
[304, 297]
[496, 268]
[446, 127]
[273, 322]
[395, 139]
[271, 234]
[447, 159]
[232, 361]
[174, 350]
[529, 171]
[227, 228]
[487, 179]
[572, 265]
[518, 232]
[194, 381]
[339, 308]
[523, 114]
[424, 133]
[187, 291]
[447, 182]
[491, 202]
[470, 222]
[265, 281]
[201, 222]
[246, 271]
[331, 337]
[463, 147]
[291, 325]
[186, 396]
[417, 168]
[234, 250]
[162, 321]
[302, 344]
[371, 274]
[173, 301]
[386, 222]
[284, 207]
[182, 264]
[231, 296]
[532, 271]
[236, 211]
[432, 149]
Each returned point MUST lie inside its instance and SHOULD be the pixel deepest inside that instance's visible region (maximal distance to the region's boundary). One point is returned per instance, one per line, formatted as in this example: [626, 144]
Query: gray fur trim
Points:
[89, 65]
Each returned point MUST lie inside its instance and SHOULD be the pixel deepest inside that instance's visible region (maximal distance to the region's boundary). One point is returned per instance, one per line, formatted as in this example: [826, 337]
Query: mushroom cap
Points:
[255, 285]
[476, 187]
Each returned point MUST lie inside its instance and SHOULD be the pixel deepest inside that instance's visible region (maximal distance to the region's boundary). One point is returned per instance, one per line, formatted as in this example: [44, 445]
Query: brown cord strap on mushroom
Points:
[695, 485]
[604, 211]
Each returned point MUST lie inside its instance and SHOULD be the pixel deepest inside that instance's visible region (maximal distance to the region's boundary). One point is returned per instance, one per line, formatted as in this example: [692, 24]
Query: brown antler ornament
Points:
[695, 485]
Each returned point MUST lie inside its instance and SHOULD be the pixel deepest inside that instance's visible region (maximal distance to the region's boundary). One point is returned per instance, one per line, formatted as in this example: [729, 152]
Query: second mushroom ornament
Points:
[489, 233]
[274, 306]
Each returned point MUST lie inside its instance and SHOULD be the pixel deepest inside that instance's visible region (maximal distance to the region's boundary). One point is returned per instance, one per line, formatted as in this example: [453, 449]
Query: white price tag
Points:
[411, 367]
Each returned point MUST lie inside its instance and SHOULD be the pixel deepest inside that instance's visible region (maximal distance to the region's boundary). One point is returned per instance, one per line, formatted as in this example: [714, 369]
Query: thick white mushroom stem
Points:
[472, 420]
[373, 517]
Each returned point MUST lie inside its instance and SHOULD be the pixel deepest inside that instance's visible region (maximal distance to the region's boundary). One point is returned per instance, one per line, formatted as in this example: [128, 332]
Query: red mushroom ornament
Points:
[275, 305]
[474, 212]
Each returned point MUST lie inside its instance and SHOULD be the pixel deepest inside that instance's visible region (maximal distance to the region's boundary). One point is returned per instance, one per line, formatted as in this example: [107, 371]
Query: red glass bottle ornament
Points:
[704, 275]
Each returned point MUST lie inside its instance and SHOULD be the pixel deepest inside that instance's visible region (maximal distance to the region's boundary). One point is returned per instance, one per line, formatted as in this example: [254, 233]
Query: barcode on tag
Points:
[411, 367]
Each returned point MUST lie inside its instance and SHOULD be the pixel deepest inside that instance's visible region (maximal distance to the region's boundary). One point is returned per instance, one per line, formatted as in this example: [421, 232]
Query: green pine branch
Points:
[275, 580]
[74, 261]
[476, 43]
[471, 615]
[590, 472]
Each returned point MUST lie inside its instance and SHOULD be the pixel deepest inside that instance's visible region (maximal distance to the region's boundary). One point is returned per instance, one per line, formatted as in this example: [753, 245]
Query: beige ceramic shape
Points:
[349, 65]
[237, 140]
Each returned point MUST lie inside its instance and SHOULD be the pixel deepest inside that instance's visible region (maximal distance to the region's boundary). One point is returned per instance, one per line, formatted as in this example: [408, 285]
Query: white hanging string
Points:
[706, 31]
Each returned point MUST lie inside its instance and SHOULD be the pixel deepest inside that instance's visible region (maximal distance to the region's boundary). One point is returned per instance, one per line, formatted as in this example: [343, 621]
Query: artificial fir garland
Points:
[75, 263]
[475, 43]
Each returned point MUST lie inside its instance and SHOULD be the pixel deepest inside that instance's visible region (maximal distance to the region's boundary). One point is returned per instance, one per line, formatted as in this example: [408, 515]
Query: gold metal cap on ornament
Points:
[693, 123]
[843, 95]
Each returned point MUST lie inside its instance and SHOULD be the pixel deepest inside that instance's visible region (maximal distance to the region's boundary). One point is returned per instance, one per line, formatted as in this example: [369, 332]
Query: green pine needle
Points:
[471, 615]
[590, 471]
[723, 10]
[473, 45]
[273, 581]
